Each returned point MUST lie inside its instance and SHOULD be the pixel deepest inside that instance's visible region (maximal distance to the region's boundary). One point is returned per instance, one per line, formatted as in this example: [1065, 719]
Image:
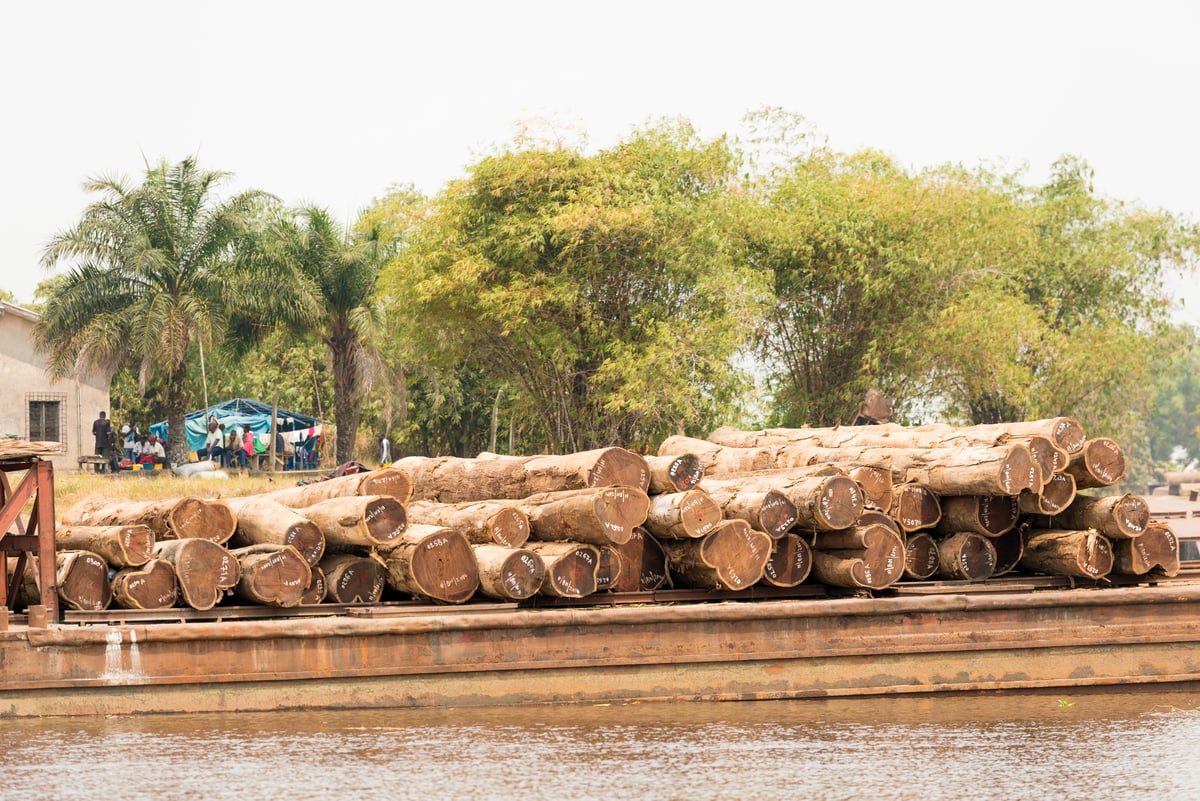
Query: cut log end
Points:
[442, 566]
[920, 557]
[1018, 472]
[272, 575]
[877, 486]
[353, 579]
[675, 473]
[151, 586]
[609, 568]
[306, 537]
[193, 518]
[1080, 554]
[385, 519]
[82, 578]
[317, 589]
[966, 555]
[644, 564]
[1100, 463]
[619, 510]
[737, 553]
[790, 562]
[619, 467]
[915, 507]
[840, 502]
[777, 514]
[570, 569]
[387, 481]
[512, 574]
[508, 527]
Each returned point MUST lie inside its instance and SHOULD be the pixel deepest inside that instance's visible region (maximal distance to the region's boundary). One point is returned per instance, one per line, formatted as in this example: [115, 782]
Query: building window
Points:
[47, 418]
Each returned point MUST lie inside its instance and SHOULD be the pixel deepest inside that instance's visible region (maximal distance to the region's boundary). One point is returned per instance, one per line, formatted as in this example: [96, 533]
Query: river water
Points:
[1127, 745]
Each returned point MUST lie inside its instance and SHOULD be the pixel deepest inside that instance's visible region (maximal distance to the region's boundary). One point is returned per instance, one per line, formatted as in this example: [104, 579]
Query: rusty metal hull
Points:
[723, 651]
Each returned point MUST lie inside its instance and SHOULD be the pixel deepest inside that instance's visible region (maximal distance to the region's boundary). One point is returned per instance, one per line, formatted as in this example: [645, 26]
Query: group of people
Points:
[137, 448]
[227, 448]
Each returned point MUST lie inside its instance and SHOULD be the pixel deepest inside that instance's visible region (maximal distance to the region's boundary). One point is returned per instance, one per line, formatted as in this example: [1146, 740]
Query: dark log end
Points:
[644, 562]
[151, 586]
[777, 514]
[1057, 494]
[1104, 461]
[509, 527]
[1047, 456]
[1010, 547]
[277, 578]
[522, 574]
[306, 537]
[966, 555]
[685, 471]
[572, 575]
[738, 553]
[443, 567]
[1018, 471]
[998, 513]
[1132, 515]
[609, 568]
[915, 507]
[920, 557]
[353, 579]
[1069, 435]
[385, 518]
[790, 562]
[883, 558]
[840, 503]
[137, 542]
[83, 580]
[620, 467]
[317, 588]
[205, 571]
[877, 486]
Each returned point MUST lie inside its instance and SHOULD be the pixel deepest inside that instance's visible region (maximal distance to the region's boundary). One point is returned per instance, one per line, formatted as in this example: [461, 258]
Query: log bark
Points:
[601, 516]
[609, 568]
[821, 502]
[674, 473]
[452, 479]
[272, 575]
[1081, 554]
[1156, 550]
[317, 587]
[390, 481]
[877, 485]
[120, 546]
[682, 515]
[570, 568]
[790, 562]
[433, 562]
[1121, 517]
[205, 570]
[510, 574]
[644, 563]
[481, 522]
[357, 521]
[966, 555]
[731, 557]
[720, 460]
[920, 556]
[915, 507]
[82, 579]
[176, 518]
[1056, 495]
[151, 585]
[262, 521]
[875, 564]
[989, 515]
[353, 578]
[1100, 463]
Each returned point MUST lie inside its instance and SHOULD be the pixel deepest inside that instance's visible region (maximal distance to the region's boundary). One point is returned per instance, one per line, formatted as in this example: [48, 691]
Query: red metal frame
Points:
[37, 538]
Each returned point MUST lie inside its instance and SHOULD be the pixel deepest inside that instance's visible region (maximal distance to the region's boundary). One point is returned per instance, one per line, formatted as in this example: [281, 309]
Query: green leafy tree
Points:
[155, 269]
[338, 271]
[596, 298]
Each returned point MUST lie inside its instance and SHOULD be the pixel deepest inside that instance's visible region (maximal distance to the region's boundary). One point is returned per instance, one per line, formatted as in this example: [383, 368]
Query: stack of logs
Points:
[848, 507]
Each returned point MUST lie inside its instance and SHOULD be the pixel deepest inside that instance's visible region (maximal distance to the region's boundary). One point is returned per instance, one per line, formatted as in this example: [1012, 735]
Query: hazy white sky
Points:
[332, 102]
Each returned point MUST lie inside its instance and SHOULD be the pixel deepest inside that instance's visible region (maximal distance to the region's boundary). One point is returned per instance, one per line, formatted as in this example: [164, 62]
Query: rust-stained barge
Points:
[1015, 633]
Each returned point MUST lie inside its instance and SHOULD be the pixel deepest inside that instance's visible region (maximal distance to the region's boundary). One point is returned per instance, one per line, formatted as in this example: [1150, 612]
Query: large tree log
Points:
[870, 557]
[821, 502]
[317, 587]
[915, 507]
[510, 574]
[644, 563]
[682, 515]
[452, 479]
[432, 562]
[790, 562]
[570, 568]
[720, 460]
[609, 568]
[920, 556]
[1115, 516]
[674, 473]
[358, 521]
[176, 518]
[877, 485]
[272, 575]
[999, 470]
[390, 481]
[262, 521]
[1157, 550]
[82, 580]
[966, 555]
[989, 515]
[1057, 494]
[481, 522]
[761, 508]
[152, 585]
[731, 557]
[1081, 554]
[205, 570]
[1050, 457]
[1100, 463]
[601, 516]
[120, 546]
[353, 578]
[1010, 547]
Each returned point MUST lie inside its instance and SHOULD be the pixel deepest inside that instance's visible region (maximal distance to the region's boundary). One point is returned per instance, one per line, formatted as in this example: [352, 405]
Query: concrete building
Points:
[36, 408]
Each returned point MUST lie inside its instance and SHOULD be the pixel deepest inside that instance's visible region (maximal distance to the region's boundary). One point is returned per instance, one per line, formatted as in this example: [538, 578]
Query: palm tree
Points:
[340, 271]
[156, 268]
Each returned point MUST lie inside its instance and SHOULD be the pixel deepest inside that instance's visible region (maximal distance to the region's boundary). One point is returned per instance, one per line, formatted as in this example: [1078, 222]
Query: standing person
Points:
[248, 446]
[131, 438]
[385, 450]
[102, 431]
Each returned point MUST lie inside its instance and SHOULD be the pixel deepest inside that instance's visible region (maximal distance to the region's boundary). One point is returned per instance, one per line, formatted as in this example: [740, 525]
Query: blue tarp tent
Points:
[296, 428]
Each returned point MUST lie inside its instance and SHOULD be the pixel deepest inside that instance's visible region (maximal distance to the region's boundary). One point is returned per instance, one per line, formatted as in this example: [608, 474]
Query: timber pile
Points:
[856, 508]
